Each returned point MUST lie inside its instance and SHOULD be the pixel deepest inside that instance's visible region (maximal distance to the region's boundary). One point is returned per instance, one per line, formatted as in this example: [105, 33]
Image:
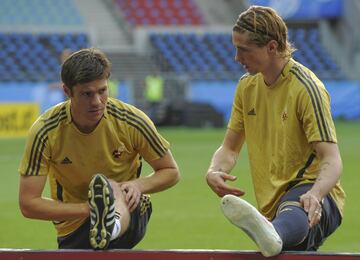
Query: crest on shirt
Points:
[117, 152]
[284, 116]
[66, 160]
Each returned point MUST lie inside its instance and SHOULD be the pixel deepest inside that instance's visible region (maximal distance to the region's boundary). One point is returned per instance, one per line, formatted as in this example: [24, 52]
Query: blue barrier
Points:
[345, 99]
[345, 95]
[219, 94]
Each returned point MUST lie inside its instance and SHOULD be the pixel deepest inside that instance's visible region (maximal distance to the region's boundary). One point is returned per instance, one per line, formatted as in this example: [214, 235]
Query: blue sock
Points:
[292, 225]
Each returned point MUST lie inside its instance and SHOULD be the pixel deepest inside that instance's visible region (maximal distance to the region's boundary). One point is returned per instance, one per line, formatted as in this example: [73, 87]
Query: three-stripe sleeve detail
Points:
[40, 140]
[140, 124]
[316, 101]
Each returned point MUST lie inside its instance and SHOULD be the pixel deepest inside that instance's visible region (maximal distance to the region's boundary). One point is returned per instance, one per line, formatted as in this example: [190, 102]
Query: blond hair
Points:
[263, 24]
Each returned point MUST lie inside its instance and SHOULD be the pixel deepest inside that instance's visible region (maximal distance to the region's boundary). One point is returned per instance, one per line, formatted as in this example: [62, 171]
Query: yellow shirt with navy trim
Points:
[115, 148]
[280, 122]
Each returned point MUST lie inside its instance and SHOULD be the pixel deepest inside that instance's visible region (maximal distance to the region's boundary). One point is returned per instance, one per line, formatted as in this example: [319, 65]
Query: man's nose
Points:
[96, 99]
[238, 56]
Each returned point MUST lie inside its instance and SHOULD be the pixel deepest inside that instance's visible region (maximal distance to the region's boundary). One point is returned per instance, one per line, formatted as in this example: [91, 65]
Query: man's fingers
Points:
[315, 218]
[305, 203]
[134, 203]
[235, 191]
[131, 204]
[226, 189]
[313, 207]
[217, 182]
[229, 177]
[132, 199]
[128, 196]
[313, 210]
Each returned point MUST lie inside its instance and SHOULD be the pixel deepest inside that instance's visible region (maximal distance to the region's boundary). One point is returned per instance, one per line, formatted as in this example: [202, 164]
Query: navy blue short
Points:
[79, 239]
[330, 219]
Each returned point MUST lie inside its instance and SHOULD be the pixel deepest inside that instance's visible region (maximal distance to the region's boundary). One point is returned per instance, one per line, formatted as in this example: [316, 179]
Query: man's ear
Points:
[272, 46]
[67, 91]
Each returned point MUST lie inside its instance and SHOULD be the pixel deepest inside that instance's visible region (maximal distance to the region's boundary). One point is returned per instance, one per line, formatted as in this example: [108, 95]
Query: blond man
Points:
[282, 111]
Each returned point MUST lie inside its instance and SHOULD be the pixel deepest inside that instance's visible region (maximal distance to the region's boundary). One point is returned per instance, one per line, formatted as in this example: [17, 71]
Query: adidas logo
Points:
[66, 161]
[252, 112]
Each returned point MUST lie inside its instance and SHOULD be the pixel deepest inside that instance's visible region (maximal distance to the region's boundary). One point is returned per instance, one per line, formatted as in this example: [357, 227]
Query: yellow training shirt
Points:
[280, 122]
[55, 147]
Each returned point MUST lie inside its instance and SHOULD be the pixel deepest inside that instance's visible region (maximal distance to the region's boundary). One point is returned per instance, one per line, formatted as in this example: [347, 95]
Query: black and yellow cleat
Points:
[102, 212]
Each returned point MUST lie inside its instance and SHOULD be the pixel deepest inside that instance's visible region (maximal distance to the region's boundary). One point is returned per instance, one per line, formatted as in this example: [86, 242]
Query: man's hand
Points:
[216, 180]
[132, 194]
[312, 206]
[223, 161]
[329, 174]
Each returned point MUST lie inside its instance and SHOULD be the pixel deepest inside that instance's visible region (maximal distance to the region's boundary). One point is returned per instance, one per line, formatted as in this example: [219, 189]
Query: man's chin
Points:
[252, 72]
[96, 116]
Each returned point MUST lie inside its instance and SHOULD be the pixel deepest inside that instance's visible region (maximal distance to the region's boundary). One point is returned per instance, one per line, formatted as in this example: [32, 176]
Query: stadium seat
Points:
[312, 53]
[160, 12]
[212, 54]
[35, 57]
[199, 55]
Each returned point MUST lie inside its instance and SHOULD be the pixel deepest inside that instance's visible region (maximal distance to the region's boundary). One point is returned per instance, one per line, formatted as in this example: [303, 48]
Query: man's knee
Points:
[121, 208]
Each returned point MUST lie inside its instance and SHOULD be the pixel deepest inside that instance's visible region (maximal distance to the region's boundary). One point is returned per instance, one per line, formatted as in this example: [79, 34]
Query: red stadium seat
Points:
[161, 12]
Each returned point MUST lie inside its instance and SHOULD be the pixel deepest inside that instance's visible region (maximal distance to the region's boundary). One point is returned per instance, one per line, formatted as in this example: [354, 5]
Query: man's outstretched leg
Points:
[249, 219]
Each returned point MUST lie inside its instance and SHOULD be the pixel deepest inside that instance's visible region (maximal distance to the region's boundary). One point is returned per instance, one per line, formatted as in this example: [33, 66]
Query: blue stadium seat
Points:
[35, 57]
[213, 53]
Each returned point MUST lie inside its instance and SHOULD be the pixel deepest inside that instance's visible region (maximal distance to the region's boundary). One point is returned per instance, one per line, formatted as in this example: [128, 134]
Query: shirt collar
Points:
[68, 112]
[287, 68]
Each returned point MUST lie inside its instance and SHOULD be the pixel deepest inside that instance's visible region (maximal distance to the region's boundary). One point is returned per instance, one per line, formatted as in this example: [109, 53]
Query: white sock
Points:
[117, 228]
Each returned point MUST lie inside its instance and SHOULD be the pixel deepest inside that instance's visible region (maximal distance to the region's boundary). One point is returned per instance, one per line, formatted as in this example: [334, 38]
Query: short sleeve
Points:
[236, 122]
[36, 156]
[315, 114]
[147, 140]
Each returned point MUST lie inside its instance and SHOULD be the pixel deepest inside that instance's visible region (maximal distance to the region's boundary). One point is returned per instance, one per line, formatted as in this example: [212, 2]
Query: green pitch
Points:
[187, 216]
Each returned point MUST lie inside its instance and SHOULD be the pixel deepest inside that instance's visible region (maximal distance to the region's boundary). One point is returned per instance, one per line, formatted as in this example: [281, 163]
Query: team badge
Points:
[117, 152]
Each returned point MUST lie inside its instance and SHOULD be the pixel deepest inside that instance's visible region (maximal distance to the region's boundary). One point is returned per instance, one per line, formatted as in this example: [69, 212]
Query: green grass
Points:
[188, 215]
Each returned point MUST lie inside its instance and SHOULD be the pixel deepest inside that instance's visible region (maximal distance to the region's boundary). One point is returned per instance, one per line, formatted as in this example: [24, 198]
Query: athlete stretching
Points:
[91, 149]
[282, 111]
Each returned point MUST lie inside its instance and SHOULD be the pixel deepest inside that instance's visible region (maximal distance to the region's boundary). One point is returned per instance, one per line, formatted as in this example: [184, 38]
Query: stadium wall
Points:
[45, 95]
[345, 96]
[21, 103]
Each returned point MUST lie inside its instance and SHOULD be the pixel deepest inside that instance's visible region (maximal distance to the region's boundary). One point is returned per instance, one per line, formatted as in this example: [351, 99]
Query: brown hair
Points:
[263, 24]
[84, 66]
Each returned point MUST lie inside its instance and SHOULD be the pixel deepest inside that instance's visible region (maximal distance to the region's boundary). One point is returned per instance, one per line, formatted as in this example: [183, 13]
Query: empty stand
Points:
[313, 54]
[198, 55]
[33, 33]
[35, 57]
[212, 54]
